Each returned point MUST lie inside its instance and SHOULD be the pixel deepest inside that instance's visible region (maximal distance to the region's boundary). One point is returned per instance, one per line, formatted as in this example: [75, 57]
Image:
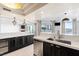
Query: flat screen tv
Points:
[57, 24]
[22, 26]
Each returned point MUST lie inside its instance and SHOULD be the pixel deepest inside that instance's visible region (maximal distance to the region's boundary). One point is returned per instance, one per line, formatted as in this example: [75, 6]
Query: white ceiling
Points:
[27, 8]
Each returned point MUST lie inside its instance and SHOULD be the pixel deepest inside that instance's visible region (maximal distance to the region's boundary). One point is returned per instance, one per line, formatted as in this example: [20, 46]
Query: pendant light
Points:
[24, 22]
[65, 19]
[14, 21]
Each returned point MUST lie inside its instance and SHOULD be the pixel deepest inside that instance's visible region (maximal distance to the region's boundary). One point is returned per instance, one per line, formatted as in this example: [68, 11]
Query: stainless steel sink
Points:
[51, 39]
[64, 41]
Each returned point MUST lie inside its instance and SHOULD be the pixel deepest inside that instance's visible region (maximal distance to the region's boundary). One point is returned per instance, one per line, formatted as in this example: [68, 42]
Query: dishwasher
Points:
[38, 48]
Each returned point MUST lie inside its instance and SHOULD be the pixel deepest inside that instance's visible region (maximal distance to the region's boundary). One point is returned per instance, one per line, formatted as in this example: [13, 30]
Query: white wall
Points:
[55, 11]
[6, 25]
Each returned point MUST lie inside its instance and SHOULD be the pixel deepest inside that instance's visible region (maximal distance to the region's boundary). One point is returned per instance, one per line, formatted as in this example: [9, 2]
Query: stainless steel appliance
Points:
[38, 48]
[3, 46]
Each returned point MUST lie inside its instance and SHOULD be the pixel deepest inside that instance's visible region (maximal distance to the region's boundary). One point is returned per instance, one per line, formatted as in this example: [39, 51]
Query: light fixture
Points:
[14, 21]
[65, 18]
[24, 22]
[13, 5]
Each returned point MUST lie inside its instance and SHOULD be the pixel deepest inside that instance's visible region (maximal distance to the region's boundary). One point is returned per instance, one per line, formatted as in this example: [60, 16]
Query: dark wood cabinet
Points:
[11, 44]
[50, 49]
[47, 49]
[19, 42]
[57, 50]
[72, 52]
[28, 40]
[63, 51]
[68, 52]
[15, 43]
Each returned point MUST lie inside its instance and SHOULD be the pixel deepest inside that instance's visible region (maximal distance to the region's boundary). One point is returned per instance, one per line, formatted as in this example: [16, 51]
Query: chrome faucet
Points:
[57, 36]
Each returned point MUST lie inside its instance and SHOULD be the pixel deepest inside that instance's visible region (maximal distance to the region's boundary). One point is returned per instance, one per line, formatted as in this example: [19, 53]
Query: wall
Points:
[6, 25]
[55, 11]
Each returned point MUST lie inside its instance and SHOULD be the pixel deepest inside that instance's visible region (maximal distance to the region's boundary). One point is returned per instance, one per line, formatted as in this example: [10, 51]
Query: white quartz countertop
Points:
[10, 35]
[74, 44]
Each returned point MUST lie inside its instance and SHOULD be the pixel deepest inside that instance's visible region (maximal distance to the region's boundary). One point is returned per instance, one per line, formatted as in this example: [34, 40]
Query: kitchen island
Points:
[55, 48]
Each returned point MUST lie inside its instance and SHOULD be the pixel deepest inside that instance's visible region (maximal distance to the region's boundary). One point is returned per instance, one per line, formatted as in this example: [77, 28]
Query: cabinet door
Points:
[11, 44]
[19, 42]
[15, 43]
[46, 49]
[57, 50]
[52, 49]
[64, 51]
[28, 40]
[25, 40]
[72, 52]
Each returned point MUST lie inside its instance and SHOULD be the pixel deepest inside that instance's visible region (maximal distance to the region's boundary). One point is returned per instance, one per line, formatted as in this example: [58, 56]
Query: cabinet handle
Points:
[58, 46]
[52, 45]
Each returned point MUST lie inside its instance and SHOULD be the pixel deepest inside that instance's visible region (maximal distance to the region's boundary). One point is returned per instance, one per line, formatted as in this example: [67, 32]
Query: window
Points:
[77, 27]
[46, 26]
[31, 28]
[68, 27]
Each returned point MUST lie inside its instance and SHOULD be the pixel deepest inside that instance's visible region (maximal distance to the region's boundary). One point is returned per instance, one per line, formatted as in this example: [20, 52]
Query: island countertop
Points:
[10, 35]
[74, 44]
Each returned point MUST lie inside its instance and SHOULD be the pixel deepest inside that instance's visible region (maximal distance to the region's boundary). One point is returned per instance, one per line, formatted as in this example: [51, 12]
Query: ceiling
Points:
[26, 9]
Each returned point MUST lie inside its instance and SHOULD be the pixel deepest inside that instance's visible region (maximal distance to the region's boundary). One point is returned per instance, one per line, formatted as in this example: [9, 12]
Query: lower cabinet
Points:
[11, 44]
[19, 42]
[47, 49]
[50, 49]
[72, 52]
[28, 40]
[57, 50]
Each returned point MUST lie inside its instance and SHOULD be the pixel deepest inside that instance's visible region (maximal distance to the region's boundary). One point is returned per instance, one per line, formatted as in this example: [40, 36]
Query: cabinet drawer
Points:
[3, 43]
[3, 50]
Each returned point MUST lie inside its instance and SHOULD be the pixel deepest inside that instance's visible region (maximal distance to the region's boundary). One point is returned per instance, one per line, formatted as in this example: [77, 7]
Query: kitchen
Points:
[49, 29]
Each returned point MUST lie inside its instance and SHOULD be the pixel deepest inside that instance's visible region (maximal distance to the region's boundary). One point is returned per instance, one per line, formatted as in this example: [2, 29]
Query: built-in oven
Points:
[3, 46]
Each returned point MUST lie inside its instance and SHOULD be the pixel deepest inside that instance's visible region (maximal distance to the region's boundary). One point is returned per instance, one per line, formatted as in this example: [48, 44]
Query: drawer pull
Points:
[52, 45]
[58, 46]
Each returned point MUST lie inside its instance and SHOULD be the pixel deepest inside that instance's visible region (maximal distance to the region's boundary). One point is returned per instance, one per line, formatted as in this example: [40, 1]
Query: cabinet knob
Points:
[58, 46]
[52, 45]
